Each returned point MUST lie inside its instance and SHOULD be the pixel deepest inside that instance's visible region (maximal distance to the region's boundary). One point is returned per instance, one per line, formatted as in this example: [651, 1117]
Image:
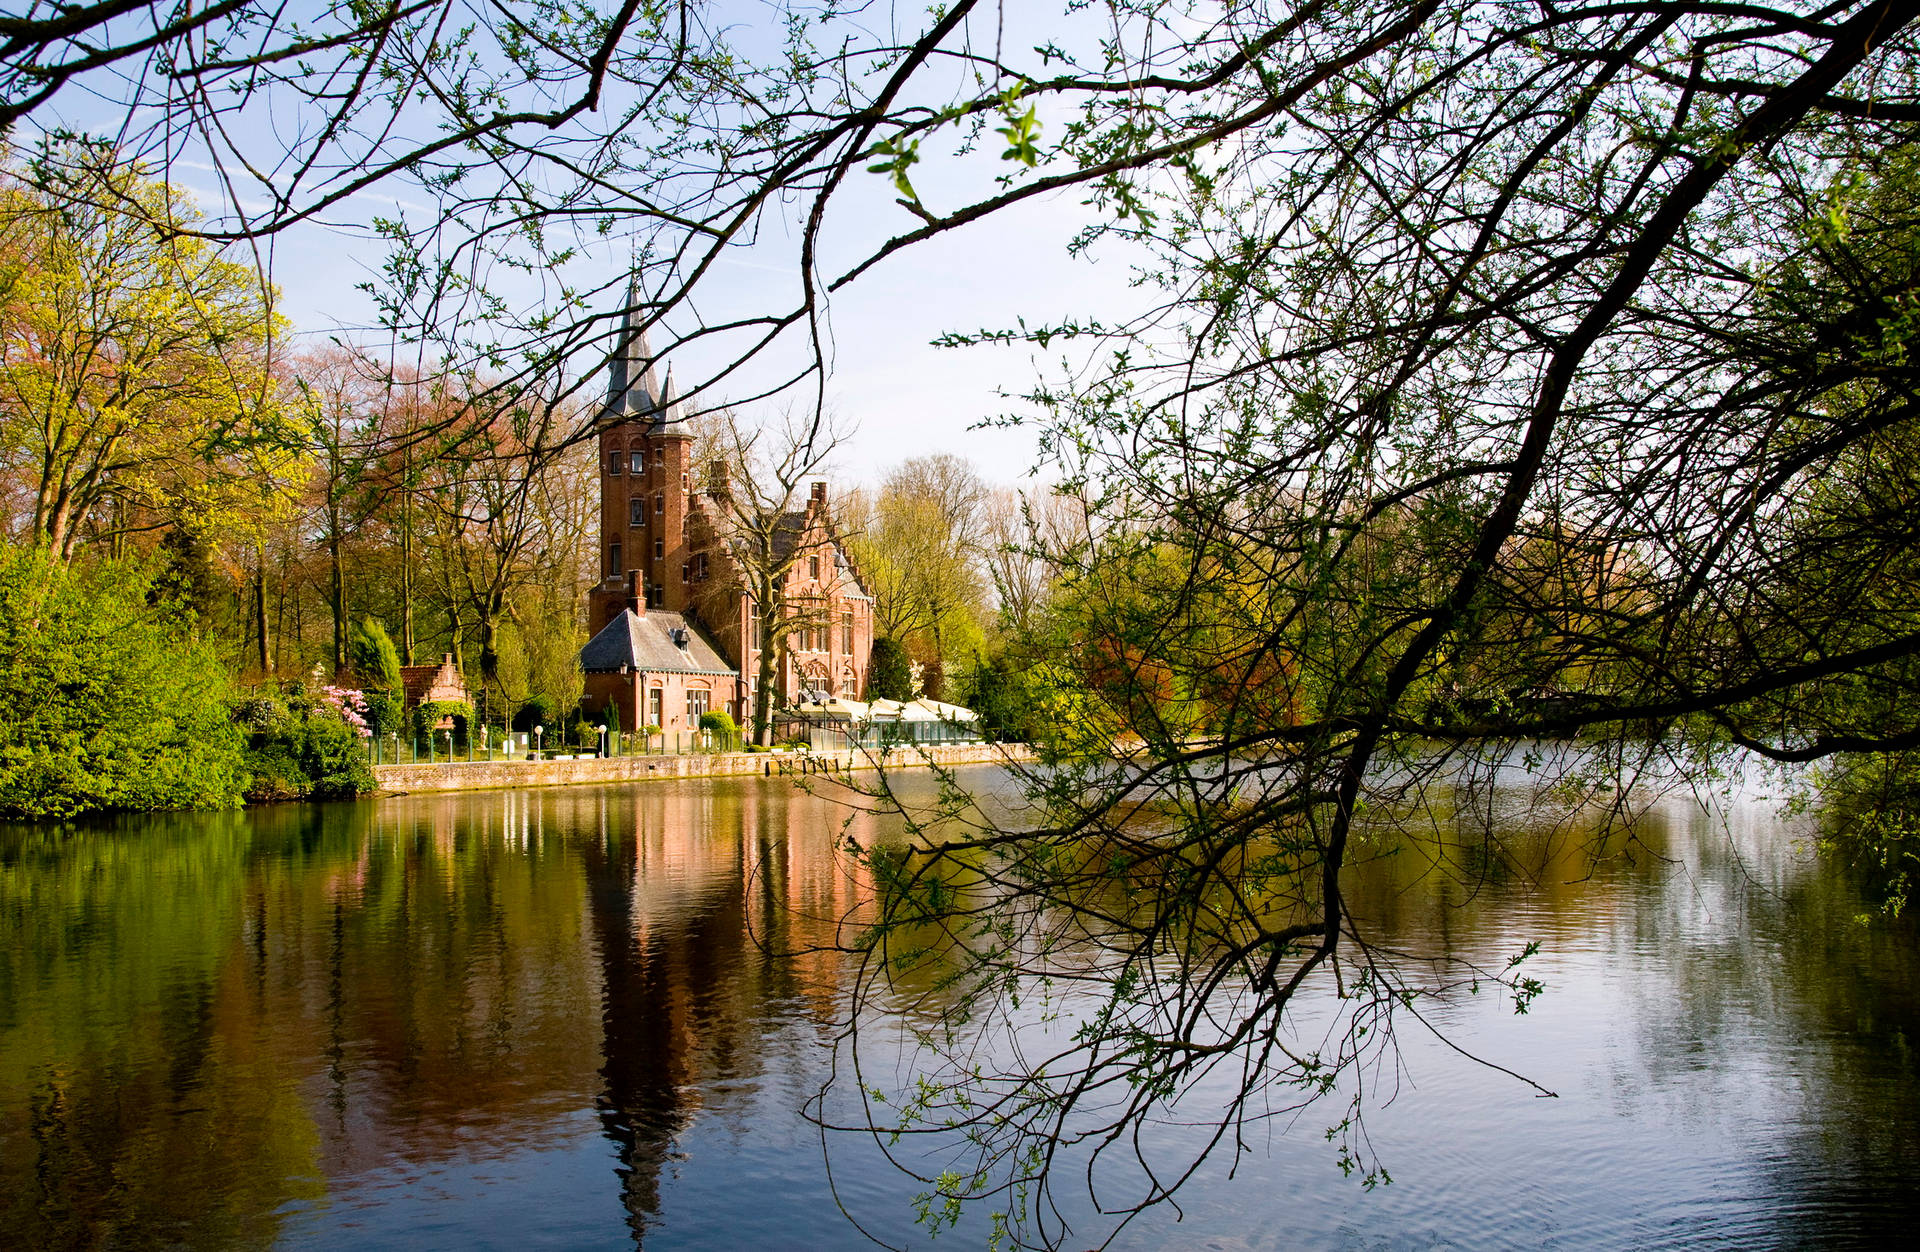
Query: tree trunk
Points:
[265, 655]
[763, 683]
[489, 609]
[406, 561]
[337, 591]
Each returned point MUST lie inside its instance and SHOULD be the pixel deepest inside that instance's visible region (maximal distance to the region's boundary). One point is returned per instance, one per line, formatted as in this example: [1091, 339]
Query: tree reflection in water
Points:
[594, 1016]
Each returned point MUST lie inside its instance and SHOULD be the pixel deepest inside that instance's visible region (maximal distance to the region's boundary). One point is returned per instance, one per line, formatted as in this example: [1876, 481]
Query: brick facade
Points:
[664, 550]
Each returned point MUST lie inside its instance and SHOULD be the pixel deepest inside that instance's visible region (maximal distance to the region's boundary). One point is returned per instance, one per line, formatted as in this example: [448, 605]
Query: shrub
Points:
[889, 672]
[535, 712]
[311, 756]
[376, 666]
[428, 714]
[111, 701]
[998, 692]
[719, 721]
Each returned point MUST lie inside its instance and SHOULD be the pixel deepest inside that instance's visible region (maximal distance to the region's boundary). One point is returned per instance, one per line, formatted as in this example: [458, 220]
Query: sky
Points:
[900, 396]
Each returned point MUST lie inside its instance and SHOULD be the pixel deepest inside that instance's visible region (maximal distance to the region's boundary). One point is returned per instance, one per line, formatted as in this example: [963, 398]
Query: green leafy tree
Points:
[376, 666]
[889, 672]
[133, 361]
[113, 702]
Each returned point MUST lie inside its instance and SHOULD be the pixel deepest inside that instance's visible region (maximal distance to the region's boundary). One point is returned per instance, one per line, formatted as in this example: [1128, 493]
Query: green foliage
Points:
[719, 721]
[302, 750]
[376, 666]
[1870, 815]
[889, 673]
[375, 661]
[1008, 706]
[535, 712]
[610, 718]
[112, 702]
[428, 714]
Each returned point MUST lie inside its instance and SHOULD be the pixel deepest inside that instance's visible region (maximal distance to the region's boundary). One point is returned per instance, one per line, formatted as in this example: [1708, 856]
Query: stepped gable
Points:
[652, 644]
[423, 683]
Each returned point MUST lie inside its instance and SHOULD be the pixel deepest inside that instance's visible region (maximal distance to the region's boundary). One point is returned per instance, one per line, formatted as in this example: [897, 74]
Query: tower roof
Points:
[633, 388]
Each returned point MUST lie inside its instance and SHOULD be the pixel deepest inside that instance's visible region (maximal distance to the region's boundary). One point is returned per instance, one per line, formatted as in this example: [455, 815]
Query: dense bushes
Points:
[1870, 814]
[110, 700]
[307, 748]
[1001, 693]
[889, 672]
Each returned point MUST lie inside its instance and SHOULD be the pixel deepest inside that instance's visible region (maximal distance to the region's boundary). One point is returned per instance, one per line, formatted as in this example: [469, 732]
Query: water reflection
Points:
[208, 1024]
[591, 1016]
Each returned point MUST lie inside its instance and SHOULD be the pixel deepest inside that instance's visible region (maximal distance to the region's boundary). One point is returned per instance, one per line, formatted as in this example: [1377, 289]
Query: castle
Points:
[673, 628]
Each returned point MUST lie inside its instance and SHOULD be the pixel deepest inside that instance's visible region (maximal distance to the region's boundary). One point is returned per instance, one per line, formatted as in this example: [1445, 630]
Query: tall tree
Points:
[133, 362]
[762, 520]
[919, 544]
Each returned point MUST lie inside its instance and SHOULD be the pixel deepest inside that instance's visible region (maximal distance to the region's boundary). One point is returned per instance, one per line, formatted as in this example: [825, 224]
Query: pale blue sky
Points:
[903, 397]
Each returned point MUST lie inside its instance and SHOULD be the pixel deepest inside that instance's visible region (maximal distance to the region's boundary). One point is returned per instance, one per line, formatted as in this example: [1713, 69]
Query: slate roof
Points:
[788, 533]
[647, 644]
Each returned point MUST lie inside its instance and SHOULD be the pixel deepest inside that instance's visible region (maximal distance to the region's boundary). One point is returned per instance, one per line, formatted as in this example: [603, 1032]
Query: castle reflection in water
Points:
[213, 1023]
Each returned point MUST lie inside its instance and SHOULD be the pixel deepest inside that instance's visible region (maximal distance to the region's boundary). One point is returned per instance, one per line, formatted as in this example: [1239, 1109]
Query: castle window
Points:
[700, 567]
[660, 503]
[639, 461]
[846, 631]
[659, 458]
[686, 575]
[614, 461]
[813, 568]
[637, 511]
[659, 548]
[613, 557]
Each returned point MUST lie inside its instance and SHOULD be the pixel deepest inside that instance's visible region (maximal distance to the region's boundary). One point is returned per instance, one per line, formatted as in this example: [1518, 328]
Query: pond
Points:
[592, 1017]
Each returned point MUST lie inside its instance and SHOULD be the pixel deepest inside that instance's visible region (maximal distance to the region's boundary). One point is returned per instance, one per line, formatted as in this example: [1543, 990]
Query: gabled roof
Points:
[651, 644]
[420, 683]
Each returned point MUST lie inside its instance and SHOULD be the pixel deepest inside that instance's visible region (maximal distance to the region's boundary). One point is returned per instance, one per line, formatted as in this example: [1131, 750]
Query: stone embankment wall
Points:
[478, 775]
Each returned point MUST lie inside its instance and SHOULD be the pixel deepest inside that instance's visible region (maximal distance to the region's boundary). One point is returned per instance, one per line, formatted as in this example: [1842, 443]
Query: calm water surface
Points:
[590, 1018]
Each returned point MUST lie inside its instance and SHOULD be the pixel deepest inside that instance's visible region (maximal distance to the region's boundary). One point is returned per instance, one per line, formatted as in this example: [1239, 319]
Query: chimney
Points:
[718, 485]
[636, 597]
[820, 494]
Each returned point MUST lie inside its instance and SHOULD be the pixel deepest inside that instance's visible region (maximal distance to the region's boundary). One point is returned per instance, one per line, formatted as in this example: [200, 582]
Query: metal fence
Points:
[446, 747]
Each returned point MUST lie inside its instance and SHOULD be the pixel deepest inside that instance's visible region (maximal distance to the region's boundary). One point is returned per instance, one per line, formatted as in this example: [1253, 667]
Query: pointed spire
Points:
[667, 399]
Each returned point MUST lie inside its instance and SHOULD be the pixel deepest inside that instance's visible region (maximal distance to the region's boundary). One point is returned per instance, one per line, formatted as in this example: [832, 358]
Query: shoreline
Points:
[498, 775]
